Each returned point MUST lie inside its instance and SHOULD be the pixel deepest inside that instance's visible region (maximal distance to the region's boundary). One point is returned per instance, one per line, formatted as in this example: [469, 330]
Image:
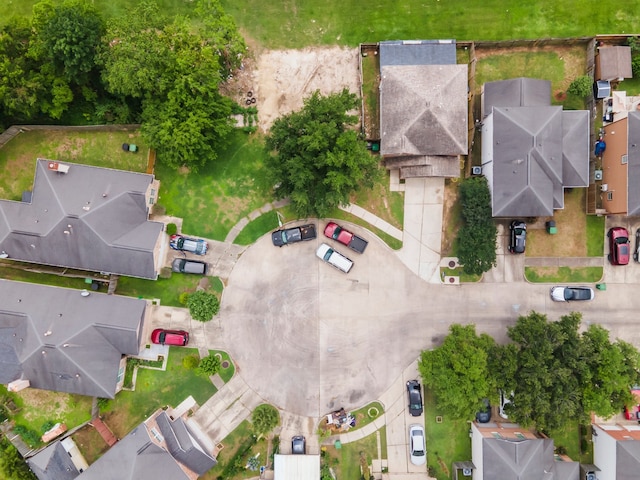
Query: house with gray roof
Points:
[85, 218]
[531, 150]
[616, 450]
[423, 108]
[161, 447]
[66, 340]
[509, 452]
[60, 460]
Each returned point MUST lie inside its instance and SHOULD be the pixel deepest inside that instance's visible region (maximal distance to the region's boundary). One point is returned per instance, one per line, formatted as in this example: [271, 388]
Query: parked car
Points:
[504, 401]
[186, 244]
[569, 294]
[618, 246]
[633, 412]
[484, 414]
[182, 265]
[414, 392]
[636, 252]
[518, 237]
[293, 235]
[345, 237]
[298, 445]
[417, 445]
[170, 337]
[333, 258]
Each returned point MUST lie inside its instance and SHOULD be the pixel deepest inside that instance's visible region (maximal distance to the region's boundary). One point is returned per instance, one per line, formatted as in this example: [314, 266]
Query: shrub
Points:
[203, 306]
[183, 298]
[265, 417]
[172, 229]
[46, 426]
[209, 365]
[103, 404]
[191, 362]
[581, 86]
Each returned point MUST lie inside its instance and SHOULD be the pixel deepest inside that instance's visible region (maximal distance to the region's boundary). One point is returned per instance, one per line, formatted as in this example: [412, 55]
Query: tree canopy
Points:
[477, 236]
[316, 160]
[202, 305]
[457, 371]
[264, 418]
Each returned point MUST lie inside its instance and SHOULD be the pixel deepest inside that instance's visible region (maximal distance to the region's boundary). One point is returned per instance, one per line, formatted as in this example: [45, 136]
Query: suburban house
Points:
[423, 108]
[531, 150]
[85, 218]
[66, 340]
[163, 446]
[618, 172]
[59, 461]
[616, 451]
[507, 451]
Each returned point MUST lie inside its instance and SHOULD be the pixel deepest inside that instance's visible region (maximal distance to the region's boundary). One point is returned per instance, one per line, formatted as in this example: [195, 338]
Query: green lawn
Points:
[447, 442]
[569, 438]
[595, 236]
[563, 274]
[10, 273]
[168, 290]
[221, 193]
[367, 414]
[155, 389]
[347, 460]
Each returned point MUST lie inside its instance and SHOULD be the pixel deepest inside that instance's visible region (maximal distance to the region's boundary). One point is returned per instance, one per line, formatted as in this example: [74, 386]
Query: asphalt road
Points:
[309, 338]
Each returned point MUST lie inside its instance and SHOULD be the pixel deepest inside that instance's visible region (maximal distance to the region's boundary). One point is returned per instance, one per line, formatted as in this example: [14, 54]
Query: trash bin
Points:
[601, 286]
[551, 227]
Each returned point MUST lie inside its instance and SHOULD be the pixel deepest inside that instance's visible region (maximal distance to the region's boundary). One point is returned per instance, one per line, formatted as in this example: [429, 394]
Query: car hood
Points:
[557, 294]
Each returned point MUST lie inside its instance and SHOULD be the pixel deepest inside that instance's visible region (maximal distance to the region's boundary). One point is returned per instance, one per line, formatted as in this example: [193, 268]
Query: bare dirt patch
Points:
[283, 78]
[39, 401]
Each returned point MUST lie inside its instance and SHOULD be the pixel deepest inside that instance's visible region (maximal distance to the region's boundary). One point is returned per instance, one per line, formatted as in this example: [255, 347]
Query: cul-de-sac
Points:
[303, 240]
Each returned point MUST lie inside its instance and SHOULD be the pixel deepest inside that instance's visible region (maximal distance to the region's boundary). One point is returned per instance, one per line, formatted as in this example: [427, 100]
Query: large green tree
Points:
[12, 465]
[316, 159]
[477, 236]
[457, 371]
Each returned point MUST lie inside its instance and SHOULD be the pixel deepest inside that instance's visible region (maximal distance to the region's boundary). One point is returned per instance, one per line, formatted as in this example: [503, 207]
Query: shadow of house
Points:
[156, 449]
[86, 218]
[531, 150]
[57, 339]
[509, 452]
[423, 108]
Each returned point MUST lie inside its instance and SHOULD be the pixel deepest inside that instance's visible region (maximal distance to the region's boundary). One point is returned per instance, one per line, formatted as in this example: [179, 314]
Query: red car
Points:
[170, 337]
[633, 413]
[345, 237]
[619, 246]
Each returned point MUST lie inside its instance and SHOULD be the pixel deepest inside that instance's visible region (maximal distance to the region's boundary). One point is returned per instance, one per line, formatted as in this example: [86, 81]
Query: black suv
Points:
[518, 237]
[415, 397]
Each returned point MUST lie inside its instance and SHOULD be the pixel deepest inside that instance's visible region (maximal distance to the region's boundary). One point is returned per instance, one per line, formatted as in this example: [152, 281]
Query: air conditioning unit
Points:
[590, 476]
[476, 170]
[604, 187]
[597, 175]
[467, 471]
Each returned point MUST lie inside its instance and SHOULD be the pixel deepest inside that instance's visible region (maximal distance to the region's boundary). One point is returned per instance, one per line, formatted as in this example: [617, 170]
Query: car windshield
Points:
[163, 335]
[518, 231]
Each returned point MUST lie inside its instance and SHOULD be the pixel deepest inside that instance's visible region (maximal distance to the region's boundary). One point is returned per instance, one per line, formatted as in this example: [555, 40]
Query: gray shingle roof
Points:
[417, 52]
[53, 463]
[633, 165]
[89, 218]
[575, 148]
[62, 341]
[423, 110]
[615, 62]
[183, 446]
[628, 459]
[515, 92]
[135, 457]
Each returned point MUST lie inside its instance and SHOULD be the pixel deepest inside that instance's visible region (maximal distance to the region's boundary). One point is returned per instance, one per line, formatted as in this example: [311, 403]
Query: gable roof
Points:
[627, 459]
[417, 52]
[614, 62]
[633, 165]
[62, 341]
[515, 92]
[89, 218]
[135, 457]
[575, 148]
[53, 463]
[183, 446]
[423, 110]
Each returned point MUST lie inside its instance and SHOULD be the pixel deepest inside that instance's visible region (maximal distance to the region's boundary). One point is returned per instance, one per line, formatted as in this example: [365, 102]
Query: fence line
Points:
[14, 130]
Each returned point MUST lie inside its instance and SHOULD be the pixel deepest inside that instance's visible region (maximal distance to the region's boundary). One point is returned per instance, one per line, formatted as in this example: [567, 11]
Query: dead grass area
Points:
[54, 403]
[91, 444]
[451, 217]
[571, 239]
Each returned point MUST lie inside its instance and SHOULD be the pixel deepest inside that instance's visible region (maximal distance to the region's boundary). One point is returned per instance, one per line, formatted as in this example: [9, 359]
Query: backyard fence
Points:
[14, 130]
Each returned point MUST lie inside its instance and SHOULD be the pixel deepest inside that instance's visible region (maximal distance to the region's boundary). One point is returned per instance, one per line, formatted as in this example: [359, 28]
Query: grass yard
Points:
[370, 85]
[367, 414]
[569, 437]
[101, 149]
[563, 274]
[168, 290]
[10, 272]
[347, 460]
[213, 200]
[447, 442]
[90, 443]
[155, 389]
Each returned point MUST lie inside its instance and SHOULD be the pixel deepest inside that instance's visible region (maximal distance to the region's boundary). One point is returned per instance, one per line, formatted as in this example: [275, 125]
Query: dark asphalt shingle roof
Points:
[627, 459]
[417, 52]
[515, 92]
[103, 212]
[53, 463]
[62, 341]
[633, 165]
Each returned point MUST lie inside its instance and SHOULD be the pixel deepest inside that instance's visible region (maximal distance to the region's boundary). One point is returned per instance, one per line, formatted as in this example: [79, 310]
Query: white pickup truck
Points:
[333, 258]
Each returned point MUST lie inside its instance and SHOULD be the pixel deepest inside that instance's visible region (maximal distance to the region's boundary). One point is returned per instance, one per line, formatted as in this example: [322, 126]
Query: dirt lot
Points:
[281, 79]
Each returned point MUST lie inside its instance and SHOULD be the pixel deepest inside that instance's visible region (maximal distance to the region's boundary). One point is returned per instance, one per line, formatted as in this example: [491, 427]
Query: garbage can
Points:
[601, 286]
[551, 227]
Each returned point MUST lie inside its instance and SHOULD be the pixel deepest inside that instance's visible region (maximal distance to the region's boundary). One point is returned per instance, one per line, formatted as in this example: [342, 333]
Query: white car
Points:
[417, 445]
[569, 294]
[334, 258]
[504, 400]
